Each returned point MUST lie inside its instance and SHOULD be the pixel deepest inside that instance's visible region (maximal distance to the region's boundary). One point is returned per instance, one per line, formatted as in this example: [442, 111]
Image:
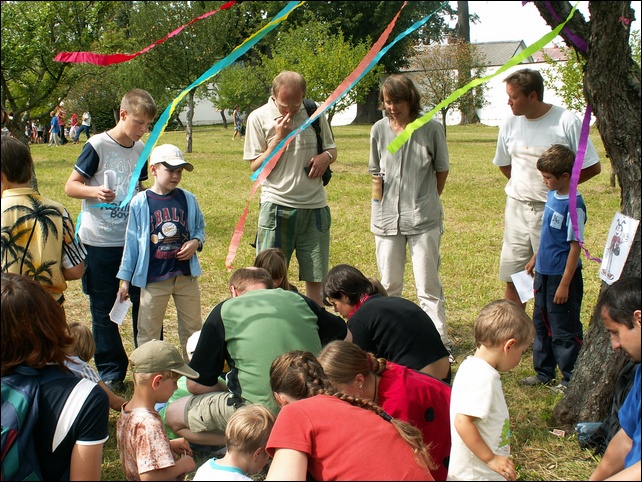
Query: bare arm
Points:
[182, 466]
[505, 170]
[441, 181]
[115, 401]
[75, 272]
[196, 388]
[86, 462]
[76, 188]
[589, 172]
[611, 467]
[467, 430]
[561, 294]
[288, 464]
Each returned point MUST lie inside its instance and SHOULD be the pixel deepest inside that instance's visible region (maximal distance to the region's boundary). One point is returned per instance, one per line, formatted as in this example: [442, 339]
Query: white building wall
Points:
[492, 114]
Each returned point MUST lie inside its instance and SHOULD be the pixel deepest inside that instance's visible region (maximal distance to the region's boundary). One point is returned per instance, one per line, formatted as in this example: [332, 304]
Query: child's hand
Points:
[530, 266]
[105, 195]
[503, 466]
[180, 446]
[187, 250]
[561, 294]
[123, 291]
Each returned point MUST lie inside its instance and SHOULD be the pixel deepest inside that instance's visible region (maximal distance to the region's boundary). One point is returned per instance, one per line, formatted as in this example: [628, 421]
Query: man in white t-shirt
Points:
[524, 136]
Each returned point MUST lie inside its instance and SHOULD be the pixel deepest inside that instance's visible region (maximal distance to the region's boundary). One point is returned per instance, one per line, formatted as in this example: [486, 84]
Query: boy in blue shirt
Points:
[164, 231]
[559, 287]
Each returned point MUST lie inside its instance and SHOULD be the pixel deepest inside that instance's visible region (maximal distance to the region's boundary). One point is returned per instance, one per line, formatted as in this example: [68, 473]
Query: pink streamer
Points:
[110, 59]
[240, 227]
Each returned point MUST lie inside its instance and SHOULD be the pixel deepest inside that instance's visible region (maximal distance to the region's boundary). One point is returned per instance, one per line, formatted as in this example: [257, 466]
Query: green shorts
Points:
[208, 412]
[306, 231]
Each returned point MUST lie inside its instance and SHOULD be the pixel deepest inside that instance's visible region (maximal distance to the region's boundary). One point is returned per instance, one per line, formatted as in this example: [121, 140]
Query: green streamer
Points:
[401, 139]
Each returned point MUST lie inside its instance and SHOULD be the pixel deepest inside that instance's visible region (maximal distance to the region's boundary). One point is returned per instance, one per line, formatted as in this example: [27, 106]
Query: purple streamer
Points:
[575, 179]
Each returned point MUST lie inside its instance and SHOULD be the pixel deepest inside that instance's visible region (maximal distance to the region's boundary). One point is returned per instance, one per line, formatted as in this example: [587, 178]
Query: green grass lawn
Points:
[473, 204]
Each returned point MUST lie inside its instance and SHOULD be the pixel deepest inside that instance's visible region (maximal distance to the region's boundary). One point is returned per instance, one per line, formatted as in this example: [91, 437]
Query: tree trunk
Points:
[612, 89]
[224, 118]
[368, 112]
[189, 117]
[467, 101]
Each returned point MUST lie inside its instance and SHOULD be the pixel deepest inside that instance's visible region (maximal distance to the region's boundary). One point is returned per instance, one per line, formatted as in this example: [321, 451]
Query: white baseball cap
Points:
[192, 341]
[170, 155]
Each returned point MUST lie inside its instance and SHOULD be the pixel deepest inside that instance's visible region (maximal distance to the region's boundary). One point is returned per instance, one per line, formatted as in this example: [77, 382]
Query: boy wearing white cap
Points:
[143, 444]
[165, 230]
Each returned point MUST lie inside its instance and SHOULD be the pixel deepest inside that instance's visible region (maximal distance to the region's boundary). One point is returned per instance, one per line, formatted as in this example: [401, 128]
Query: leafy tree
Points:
[437, 75]
[365, 21]
[566, 79]
[612, 88]
[32, 33]
[321, 55]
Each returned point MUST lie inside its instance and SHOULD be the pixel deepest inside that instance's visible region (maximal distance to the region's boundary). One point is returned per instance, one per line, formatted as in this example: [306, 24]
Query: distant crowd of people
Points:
[273, 379]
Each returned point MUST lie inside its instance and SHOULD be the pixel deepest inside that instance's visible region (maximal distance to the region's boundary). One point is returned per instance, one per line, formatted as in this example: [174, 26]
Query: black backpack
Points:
[310, 106]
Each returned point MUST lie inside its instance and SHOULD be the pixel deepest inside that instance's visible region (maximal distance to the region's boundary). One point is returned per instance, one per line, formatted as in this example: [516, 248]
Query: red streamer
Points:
[265, 172]
[110, 59]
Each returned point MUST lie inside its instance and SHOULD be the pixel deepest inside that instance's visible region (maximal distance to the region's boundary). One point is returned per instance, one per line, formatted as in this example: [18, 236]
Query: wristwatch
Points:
[329, 155]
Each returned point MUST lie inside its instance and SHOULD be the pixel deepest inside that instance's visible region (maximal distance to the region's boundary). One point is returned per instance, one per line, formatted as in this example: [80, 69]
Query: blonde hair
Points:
[249, 428]
[298, 374]
[139, 102]
[273, 260]
[85, 346]
[501, 320]
[343, 360]
[144, 378]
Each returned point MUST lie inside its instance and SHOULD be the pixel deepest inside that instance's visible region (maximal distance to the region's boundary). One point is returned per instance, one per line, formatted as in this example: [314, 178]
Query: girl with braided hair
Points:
[403, 393]
[335, 436]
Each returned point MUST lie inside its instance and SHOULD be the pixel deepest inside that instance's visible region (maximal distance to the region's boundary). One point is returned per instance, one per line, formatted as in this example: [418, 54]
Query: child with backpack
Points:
[39, 393]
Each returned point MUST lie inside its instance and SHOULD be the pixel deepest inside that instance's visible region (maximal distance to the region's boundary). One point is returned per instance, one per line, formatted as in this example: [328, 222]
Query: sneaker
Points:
[559, 389]
[534, 380]
[451, 355]
[116, 386]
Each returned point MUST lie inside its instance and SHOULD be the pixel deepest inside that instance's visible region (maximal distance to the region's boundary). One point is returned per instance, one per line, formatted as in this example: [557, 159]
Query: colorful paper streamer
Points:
[367, 63]
[118, 58]
[161, 124]
[404, 136]
[575, 179]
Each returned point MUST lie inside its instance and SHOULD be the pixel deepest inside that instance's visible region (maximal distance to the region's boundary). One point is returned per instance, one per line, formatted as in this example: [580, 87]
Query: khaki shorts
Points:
[208, 412]
[306, 231]
[522, 230]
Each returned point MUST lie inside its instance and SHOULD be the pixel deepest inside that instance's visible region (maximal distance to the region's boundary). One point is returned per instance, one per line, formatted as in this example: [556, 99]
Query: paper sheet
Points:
[524, 285]
[119, 311]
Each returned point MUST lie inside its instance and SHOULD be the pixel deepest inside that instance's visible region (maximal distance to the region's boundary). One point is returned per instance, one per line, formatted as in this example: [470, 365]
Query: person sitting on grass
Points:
[334, 436]
[82, 352]
[143, 445]
[246, 436]
[619, 306]
[273, 260]
[403, 393]
[389, 327]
